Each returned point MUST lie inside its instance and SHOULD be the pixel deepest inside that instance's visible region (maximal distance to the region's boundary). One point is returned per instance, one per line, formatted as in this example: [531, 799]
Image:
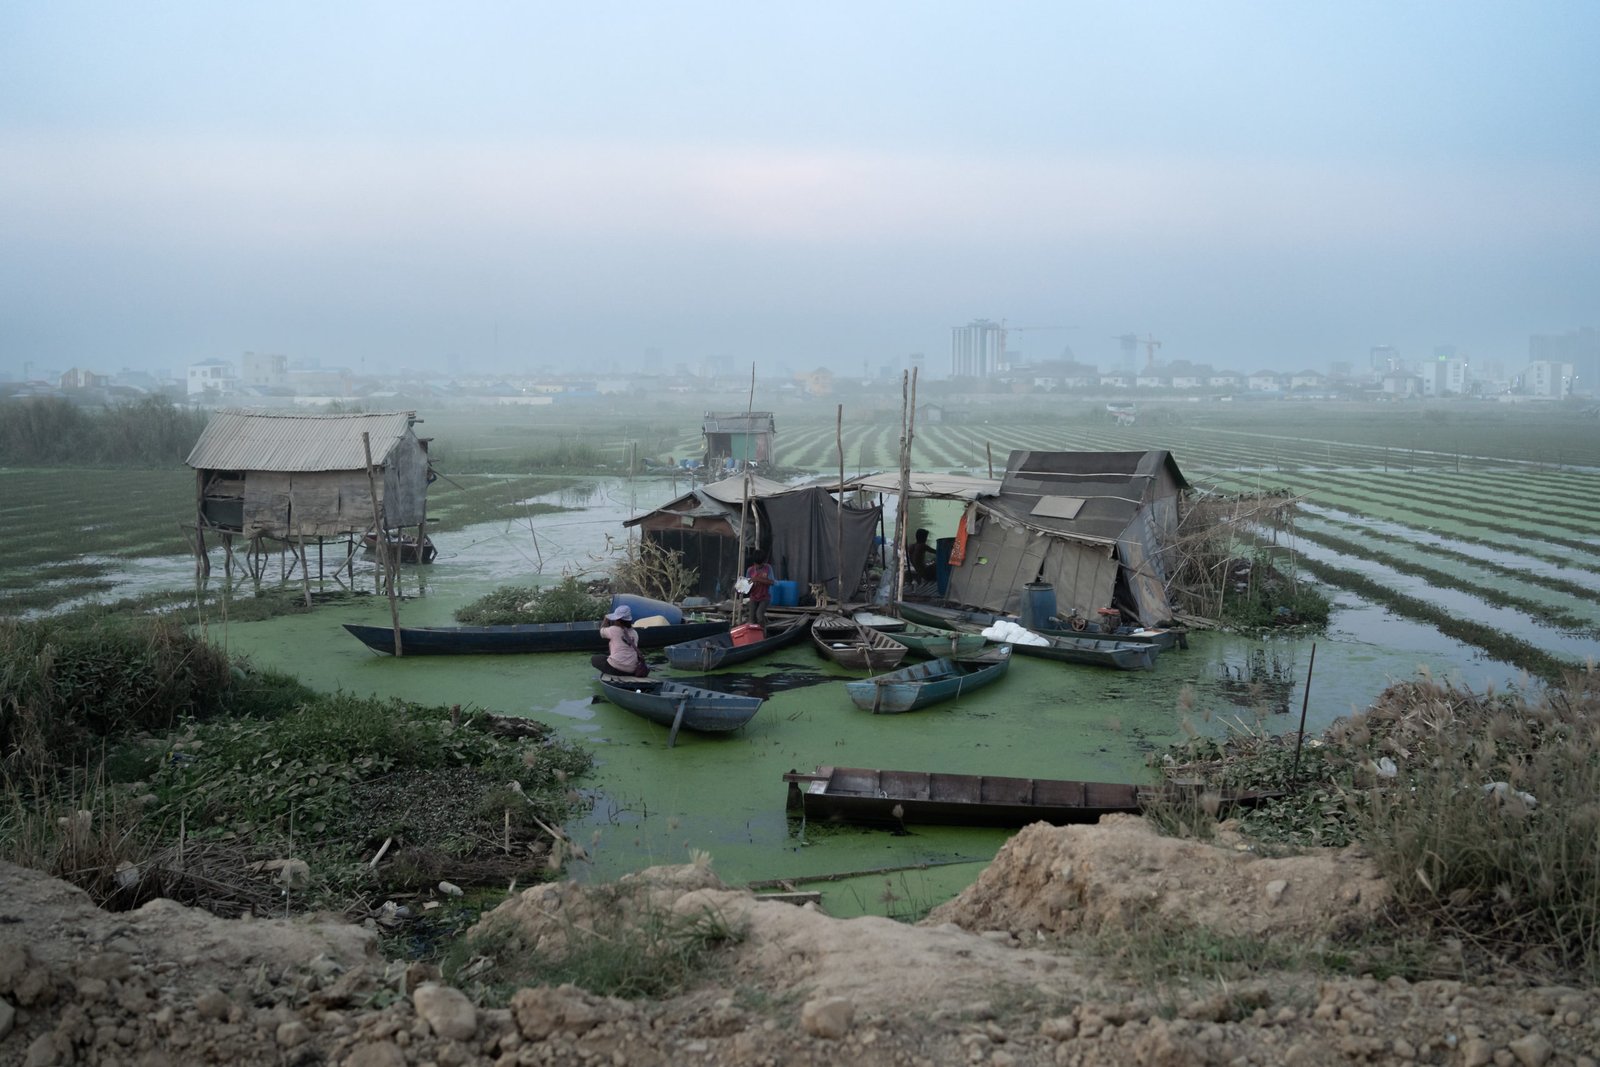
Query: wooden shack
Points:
[733, 440]
[267, 476]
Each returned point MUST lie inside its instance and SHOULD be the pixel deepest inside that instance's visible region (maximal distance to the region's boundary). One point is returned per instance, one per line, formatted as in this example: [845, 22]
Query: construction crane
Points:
[1131, 341]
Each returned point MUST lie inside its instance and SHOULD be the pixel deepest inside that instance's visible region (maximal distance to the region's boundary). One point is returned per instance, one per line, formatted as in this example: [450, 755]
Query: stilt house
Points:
[304, 478]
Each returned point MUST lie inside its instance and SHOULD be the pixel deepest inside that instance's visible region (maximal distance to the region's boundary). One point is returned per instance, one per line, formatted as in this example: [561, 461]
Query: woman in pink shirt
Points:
[623, 657]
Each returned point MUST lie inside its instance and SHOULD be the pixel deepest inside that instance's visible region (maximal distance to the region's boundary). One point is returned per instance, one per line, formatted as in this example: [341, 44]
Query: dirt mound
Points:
[166, 985]
[1121, 874]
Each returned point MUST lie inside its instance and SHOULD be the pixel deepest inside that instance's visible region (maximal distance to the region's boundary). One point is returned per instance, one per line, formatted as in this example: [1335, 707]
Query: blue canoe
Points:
[928, 683]
[719, 650]
[678, 706]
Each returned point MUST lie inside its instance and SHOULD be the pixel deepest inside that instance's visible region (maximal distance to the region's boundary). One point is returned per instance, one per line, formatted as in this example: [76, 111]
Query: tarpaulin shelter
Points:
[1092, 524]
[798, 528]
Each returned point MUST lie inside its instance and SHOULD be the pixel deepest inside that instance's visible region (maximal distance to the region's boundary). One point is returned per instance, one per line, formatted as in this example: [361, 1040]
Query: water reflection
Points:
[1261, 681]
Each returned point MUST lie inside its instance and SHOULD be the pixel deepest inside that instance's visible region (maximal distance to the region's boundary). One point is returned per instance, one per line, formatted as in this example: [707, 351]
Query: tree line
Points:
[54, 432]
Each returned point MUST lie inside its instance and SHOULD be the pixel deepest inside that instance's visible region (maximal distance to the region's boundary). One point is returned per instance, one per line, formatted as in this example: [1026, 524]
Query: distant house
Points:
[1307, 379]
[212, 379]
[1265, 381]
[78, 378]
[1402, 384]
[1095, 525]
[1152, 380]
[300, 479]
[1116, 381]
[1226, 380]
[738, 438]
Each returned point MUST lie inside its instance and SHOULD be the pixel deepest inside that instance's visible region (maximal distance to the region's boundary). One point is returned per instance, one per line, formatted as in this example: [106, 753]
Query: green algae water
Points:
[723, 795]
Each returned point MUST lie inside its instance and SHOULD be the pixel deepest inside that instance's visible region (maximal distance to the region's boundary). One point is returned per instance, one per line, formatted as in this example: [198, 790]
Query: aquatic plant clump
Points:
[568, 601]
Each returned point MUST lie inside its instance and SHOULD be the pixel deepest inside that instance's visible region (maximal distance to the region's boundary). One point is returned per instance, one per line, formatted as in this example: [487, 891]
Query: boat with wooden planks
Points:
[884, 623]
[678, 706]
[1122, 656]
[719, 650]
[932, 642]
[899, 798]
[403, 548]
[932, 682]
[972, 620]
[522, 637]
[855, 647]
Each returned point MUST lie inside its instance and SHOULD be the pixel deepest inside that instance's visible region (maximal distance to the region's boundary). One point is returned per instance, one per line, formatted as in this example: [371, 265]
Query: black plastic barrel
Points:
[1038, 604]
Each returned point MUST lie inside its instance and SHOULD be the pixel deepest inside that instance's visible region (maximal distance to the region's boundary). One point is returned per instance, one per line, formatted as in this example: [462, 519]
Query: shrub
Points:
[64, 688]
[1488, 821]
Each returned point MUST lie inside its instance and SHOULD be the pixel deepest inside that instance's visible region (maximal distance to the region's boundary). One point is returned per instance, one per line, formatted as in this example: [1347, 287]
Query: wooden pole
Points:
[838, 443]
[383, 542]
[989, 451]
[908, 419]
[1294, 772]
[744, 508]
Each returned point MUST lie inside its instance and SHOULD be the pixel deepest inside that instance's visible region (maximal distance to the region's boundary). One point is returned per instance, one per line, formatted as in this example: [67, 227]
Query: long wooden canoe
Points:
[521, 637]
[1124, 656]
[972, 620]
[932, 642]
[898, 798]
[923, 684]
[678, 706]
[855, 647]
[718, 650]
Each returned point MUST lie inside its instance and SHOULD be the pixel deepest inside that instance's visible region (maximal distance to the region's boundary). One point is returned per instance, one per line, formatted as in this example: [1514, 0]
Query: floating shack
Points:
[738, 438]
[300, 480]
[798, 527]
[1095, 525]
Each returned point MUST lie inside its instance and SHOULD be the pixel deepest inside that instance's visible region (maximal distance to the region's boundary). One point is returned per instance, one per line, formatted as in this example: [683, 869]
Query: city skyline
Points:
[484, 187]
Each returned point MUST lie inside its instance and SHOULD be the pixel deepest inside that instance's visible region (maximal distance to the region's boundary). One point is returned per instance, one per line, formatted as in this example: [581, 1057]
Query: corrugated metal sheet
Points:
[286, 441]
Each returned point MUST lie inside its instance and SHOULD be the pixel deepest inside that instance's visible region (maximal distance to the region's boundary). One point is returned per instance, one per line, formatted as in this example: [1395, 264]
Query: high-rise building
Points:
[1581, 348]
[976, 349]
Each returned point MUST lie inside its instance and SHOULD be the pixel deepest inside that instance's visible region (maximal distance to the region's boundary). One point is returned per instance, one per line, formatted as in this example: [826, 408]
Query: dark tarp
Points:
[804, 529]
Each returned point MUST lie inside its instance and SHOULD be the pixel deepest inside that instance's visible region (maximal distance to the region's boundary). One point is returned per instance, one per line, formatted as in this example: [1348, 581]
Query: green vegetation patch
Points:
[568, 601]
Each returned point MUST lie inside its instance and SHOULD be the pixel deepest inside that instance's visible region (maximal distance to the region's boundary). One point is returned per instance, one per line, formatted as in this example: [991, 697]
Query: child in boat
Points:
[623, 657]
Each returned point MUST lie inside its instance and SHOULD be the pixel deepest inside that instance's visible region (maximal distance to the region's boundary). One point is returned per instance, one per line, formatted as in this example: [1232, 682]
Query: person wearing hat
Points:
[623, 657]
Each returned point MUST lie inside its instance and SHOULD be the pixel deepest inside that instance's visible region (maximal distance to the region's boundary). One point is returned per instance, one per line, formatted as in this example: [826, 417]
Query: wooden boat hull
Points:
[407, 549]
[519, 638]
[855, 647]
[935, 643]
[971, 621]
[718, 650]
[925, 684]
[1125, 657]
[678, 706]
[900, 798]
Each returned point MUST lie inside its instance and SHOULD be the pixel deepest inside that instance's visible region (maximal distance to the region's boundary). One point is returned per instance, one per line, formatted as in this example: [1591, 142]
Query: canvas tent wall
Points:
[1092, 524]
[288, 476]
[798, 527]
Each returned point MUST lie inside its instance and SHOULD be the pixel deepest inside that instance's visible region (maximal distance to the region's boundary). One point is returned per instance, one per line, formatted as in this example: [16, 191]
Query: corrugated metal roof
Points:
[739, 422]
[936, 486]
[286, 441]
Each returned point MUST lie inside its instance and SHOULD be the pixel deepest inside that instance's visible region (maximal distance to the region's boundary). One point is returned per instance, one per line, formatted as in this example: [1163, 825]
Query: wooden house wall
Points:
[306, 503]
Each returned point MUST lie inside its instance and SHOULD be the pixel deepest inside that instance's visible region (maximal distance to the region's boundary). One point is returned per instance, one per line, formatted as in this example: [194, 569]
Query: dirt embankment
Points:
[992, 977]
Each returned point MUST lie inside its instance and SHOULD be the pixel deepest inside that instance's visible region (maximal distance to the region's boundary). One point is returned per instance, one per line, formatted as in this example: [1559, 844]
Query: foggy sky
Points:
[500, 185]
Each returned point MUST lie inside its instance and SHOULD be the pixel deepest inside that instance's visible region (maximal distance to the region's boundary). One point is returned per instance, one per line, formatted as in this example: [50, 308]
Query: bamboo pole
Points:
[383, 542]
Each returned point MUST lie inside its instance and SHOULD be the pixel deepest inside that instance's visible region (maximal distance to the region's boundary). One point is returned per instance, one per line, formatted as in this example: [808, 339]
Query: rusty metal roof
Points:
[287, 441]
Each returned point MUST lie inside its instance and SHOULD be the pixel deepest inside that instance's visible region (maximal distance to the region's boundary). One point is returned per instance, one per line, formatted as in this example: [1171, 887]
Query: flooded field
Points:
[725, 795]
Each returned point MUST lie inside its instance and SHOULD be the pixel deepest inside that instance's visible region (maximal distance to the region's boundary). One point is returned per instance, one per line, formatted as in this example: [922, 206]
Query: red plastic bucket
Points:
[748, 634]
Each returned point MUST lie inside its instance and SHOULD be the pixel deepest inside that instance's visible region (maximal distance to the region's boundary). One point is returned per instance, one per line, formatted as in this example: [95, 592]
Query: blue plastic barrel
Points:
[785, 594]
[1038, 604]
